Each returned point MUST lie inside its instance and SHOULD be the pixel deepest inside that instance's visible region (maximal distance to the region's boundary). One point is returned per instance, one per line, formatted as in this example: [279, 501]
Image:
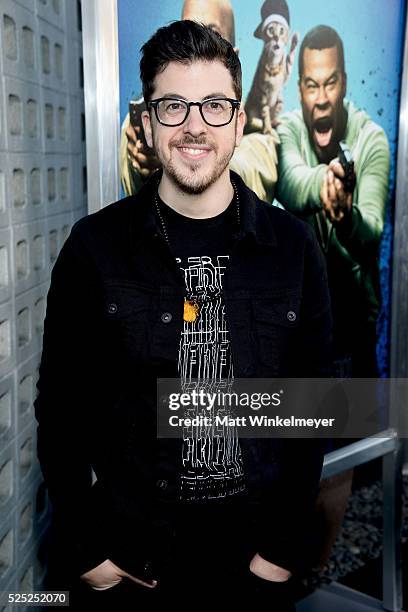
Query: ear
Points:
[241, 121]
[236, 49]
[147, 127]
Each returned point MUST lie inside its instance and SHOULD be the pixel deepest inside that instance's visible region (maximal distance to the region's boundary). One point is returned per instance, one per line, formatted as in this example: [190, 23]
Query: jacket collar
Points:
[255, 220]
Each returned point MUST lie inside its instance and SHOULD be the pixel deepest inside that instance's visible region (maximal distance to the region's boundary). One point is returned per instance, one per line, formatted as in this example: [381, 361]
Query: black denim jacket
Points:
[112, 326]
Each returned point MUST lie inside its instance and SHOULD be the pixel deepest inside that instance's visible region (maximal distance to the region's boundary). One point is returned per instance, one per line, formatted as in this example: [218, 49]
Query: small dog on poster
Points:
[265, 99]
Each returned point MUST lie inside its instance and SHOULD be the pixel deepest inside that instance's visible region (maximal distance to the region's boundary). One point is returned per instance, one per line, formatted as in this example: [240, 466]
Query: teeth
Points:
[193, 151]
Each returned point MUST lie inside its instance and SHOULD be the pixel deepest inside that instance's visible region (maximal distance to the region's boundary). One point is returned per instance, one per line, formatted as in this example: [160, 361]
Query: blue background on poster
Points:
[372, 33]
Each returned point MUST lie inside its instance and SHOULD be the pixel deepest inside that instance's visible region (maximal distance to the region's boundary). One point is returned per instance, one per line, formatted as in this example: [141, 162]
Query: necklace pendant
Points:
[191, 310]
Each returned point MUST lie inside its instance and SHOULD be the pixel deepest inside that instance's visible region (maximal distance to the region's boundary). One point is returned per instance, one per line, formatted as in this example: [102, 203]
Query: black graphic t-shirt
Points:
[212, 461]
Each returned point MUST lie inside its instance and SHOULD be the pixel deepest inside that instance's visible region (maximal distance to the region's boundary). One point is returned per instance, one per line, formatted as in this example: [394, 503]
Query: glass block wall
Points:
[42, 193]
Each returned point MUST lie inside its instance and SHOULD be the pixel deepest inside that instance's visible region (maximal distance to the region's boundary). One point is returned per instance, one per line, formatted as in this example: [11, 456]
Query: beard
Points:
[193, 180]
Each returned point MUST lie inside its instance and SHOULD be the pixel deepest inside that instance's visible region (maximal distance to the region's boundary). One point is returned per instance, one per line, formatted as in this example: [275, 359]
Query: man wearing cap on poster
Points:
[334, 166]
[189, 279]
[255, 160]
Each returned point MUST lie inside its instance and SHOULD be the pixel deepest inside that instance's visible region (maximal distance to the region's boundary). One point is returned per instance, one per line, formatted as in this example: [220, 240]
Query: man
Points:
[191, 279]
[255, 160]
[348, 221]
[348, 216]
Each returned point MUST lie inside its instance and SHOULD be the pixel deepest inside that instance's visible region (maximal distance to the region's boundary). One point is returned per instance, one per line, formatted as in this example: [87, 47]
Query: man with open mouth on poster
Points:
[333, 171]
[334, 164]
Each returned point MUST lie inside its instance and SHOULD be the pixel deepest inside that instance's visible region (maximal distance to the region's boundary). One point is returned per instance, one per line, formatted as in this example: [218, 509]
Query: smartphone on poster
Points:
[136, 107]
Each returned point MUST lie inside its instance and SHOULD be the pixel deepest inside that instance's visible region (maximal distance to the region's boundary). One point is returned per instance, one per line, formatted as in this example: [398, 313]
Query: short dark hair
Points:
[322, 37]
[185, 42]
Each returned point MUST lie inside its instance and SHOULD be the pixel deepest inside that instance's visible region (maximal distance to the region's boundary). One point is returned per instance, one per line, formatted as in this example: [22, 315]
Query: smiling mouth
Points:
[323, 131]
[194, 152]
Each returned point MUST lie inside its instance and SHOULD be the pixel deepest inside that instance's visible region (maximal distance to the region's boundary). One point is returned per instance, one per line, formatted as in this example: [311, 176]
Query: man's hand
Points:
[268, 571]
[336, 202]
[107, 575]
[141, 157]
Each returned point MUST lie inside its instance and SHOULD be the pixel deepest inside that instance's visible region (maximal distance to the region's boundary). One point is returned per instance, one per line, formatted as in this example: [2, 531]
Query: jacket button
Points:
[112, 308]
[166, 317]
[162, 484]
[291, 316]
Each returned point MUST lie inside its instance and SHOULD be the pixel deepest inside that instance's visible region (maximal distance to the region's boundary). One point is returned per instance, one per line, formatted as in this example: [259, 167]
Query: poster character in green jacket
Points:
[348, 218]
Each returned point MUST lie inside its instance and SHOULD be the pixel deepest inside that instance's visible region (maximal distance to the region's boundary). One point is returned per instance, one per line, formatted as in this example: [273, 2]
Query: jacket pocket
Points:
[127, 313]
[276, 322]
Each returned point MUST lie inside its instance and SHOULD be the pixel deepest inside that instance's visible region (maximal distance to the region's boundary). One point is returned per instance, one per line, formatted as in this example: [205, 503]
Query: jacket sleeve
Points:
[360, 233]
[288, 515]
[299, 185]
[62, 407]
[77, 430]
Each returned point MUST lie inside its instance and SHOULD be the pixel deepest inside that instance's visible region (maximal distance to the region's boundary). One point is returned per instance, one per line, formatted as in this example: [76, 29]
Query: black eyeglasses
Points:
[215, 111]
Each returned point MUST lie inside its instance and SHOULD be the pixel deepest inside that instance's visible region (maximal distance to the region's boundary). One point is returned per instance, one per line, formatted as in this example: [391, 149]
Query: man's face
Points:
[194, 155]
[322, 89]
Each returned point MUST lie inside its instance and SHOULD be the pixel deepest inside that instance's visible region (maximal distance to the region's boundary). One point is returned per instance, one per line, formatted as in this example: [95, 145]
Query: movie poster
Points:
[321, 84]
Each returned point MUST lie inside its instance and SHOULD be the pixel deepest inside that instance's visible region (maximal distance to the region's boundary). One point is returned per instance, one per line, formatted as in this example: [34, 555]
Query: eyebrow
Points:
[217, 94]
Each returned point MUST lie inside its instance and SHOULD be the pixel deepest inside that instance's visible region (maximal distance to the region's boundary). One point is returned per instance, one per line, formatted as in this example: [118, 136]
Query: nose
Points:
[194, 124]
[322, 99]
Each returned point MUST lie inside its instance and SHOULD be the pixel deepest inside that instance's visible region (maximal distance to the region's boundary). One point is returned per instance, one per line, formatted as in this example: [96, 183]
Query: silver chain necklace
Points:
[191, 304]
[163, 225]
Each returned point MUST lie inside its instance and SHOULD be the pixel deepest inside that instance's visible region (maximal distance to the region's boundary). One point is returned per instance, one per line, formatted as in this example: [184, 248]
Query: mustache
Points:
[189, 140]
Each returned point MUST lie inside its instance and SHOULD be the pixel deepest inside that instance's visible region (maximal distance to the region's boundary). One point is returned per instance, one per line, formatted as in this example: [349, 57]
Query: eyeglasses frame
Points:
[154, 104]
